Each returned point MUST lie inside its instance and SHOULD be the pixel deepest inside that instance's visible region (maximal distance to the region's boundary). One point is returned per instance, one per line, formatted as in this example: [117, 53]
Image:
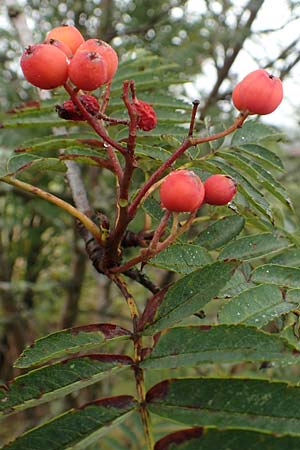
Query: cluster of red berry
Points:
[66, 55]
[258, 93]
[183, 191]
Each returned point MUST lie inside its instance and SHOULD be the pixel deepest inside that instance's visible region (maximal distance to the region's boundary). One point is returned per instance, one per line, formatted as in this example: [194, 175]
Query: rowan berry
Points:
[88, 70]
[61, 45]
[182, 191]
[258, 93]
[147, 119]
[44, 66]
[67, 34]
[219, 189]
[106, 51]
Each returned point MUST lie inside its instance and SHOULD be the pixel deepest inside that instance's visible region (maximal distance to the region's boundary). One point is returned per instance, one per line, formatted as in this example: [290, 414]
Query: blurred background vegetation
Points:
[46, 280]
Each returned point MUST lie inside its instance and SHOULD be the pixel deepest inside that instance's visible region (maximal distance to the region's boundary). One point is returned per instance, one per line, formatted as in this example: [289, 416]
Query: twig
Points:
[134, 313]
[85, 220]
[138, 372]
[187, 143]
[122, 218]
[147, 254]
[196, 104]
[115, 163]
[142, 279]
[106, 96]
[95, 124]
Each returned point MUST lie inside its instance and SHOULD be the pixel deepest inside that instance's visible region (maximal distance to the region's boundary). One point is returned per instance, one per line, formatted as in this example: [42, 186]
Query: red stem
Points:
[95, 124]
[131, 113]
[148, 253]
[100, 161]
[122, 221]
[105, 99]
[196, 104]
[115, 162]
[187, 143]
[159, 230]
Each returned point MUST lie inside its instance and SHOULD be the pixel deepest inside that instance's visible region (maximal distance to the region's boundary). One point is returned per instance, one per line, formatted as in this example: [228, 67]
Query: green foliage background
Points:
[46, 281]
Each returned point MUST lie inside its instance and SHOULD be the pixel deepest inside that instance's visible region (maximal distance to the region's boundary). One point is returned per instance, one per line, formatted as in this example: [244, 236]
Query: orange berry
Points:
[61, 45]
[67, 34]
[44, 66]
[259, 93]
[87, 70]
[182, 191]
[106, 51]
[219, 189]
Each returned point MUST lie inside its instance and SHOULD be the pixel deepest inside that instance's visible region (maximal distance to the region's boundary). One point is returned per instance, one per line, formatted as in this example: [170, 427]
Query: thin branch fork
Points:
[187, 143]
[95, 124]
[115, 238]
[149, 253]
[131, 113]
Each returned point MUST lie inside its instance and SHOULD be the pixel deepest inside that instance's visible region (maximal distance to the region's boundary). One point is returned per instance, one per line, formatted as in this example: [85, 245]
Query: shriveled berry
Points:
[69, 111]
[67, 34]
[61, 45]
[44, 66]
[182, 191]
[258, 93]
[87, 70]
[219, 189]
[90, 103]
[147, 119]
[106, 51]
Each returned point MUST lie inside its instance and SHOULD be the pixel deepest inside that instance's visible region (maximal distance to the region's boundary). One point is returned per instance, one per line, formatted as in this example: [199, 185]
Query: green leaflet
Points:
[26, 161]
[246, 188]
[193, 345]
[69, 341]
[211, 439]
[262, 155]
[249, 404]
[256, 306]
[290, 257]
[82, 140]
[256, 172]
[182, 258]
[249, 247]
[254, 132]
[58, 380]
[277, 274]
[220, 232]
[76, 429]
[187, 296]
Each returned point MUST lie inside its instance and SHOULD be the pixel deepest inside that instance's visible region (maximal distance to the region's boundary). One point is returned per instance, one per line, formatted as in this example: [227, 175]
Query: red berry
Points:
[259, 93]
[87, 70]
[106, 51]
[147, 119]
[219, 189]
[44, 66]
[67, 34]
[61, 45]
[182, 191]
